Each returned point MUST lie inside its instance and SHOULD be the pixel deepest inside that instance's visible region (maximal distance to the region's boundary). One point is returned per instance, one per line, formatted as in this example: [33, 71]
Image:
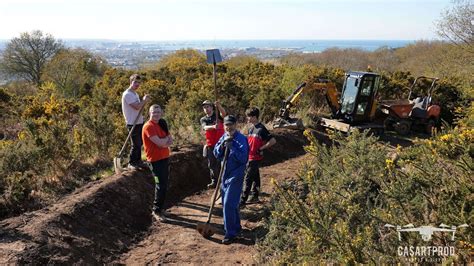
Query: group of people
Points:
[244, 153]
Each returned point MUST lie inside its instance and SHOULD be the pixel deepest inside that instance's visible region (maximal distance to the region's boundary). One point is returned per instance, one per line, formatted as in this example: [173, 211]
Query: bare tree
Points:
[457, 24]
[27, 55]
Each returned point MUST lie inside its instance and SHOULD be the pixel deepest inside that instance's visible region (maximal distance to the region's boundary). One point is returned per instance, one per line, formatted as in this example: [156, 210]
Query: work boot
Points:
[142, 165]
[253, 199]
[132, 167]
[159, 216]
[227, 240]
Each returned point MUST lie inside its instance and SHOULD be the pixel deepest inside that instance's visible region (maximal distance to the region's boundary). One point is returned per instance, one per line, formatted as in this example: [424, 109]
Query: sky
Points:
[159, 20]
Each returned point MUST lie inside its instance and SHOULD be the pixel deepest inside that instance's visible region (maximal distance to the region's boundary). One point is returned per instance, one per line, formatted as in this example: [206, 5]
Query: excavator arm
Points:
[331, 95]
[353, 109]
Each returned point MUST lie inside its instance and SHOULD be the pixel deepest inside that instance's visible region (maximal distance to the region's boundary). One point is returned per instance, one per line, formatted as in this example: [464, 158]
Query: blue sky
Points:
[221, 19]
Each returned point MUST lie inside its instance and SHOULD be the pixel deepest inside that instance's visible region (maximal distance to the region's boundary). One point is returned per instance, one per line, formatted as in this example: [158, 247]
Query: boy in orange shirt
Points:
[157, 140]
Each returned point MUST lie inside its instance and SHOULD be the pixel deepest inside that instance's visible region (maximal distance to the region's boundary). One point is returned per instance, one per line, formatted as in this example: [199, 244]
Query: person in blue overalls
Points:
[233, 178]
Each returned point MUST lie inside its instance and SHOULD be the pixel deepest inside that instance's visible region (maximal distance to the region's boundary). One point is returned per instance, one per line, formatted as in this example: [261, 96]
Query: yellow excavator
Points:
[354, 108]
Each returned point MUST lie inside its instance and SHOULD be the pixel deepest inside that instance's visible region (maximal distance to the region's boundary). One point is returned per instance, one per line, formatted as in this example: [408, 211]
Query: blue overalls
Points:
[232, 181]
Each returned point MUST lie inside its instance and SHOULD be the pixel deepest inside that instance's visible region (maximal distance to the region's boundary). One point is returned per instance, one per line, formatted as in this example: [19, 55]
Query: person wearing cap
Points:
[213, 127]
[233, 177]
[131, 106]
[259, 140]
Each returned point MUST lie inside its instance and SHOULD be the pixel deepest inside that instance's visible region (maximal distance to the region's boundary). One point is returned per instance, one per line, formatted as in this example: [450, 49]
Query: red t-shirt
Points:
[152, 151]
[213, 135]
[258, 135]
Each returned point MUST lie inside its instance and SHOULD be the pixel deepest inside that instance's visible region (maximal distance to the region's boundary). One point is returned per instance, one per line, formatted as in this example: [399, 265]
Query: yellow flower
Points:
[445, 137]
[22, 135]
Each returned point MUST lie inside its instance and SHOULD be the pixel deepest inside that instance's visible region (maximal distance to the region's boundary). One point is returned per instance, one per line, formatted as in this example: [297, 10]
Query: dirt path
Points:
[177, 240]
[110, 219]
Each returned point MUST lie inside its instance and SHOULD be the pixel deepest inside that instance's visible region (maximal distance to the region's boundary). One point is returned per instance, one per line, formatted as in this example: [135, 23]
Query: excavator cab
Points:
[357, 98]
[357, 104]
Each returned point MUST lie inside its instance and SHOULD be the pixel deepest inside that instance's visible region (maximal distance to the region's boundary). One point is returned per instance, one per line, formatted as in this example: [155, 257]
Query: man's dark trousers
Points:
[213, 164]
[252, 180]
[136, 139]
[160, 171]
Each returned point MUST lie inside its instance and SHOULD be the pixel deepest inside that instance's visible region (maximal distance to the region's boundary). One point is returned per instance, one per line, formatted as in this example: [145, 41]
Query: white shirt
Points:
[130, 96]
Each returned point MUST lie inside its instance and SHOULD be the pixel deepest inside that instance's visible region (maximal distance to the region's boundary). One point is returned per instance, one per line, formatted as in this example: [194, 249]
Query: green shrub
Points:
[21, 164]
[348, 192]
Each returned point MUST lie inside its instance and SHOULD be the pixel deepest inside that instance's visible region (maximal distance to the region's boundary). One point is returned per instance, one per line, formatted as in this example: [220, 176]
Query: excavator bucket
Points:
[334, 124]
[290, 123]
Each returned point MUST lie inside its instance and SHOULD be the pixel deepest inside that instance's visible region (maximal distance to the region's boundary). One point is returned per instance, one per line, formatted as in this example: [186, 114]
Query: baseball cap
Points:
[230, 119]
[207, 102]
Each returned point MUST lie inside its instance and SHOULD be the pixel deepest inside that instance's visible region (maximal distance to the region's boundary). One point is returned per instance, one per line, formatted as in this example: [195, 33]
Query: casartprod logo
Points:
[426, 253]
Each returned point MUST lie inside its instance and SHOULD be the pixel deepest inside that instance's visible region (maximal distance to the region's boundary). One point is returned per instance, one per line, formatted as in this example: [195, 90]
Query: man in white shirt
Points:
[131, 106]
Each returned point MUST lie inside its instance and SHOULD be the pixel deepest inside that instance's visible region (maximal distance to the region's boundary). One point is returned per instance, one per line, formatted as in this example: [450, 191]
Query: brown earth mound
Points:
[102, 220]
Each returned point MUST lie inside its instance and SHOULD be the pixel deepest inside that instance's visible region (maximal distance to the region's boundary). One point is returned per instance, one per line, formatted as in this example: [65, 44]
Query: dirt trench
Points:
[110, 220]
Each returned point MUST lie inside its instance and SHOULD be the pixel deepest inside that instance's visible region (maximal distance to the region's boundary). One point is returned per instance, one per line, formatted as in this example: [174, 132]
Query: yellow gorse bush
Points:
[336, 215]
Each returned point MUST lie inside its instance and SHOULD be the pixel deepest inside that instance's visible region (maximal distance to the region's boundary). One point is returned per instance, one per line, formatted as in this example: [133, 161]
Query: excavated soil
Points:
[110, 220]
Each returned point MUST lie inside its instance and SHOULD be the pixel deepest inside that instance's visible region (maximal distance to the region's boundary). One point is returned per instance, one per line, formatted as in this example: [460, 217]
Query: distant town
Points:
[133, 55]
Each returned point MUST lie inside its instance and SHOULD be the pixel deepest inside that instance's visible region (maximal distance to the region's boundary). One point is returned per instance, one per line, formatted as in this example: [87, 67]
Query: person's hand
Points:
[217, 103]
[228, 142]
[260, 152]
[169, 142]
[146, 98]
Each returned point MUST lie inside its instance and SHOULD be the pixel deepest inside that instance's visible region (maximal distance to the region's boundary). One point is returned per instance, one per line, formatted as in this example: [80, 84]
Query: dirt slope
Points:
[177, 241]
[109, 220]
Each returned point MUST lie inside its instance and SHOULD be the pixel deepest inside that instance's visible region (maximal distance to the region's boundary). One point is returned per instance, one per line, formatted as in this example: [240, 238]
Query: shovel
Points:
[206, 229]
[214, 57]
[118, 159]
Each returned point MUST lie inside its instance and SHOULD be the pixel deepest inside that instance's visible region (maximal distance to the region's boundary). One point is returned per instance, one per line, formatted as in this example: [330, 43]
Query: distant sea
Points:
[305, 46]
[297, 45]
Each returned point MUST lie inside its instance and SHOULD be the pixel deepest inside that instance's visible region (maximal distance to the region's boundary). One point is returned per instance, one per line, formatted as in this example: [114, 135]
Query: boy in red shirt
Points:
[212, 124]
[259, 139]
[157, 140]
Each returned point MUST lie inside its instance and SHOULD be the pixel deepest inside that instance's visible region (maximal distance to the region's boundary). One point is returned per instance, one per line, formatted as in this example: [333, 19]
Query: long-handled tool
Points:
[206, 229]
[118, 159]
[214, 57]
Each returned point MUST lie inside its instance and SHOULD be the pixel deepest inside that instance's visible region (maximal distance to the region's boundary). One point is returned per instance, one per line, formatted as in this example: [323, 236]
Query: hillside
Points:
[110, 220]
